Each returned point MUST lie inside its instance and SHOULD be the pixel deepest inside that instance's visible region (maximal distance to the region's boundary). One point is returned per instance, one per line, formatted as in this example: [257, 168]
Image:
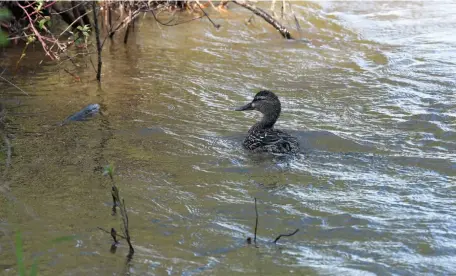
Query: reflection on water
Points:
[370, 98]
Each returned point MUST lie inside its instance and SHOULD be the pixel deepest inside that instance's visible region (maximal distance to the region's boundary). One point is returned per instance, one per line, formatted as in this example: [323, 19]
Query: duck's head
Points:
[267, 103]
[264, 101]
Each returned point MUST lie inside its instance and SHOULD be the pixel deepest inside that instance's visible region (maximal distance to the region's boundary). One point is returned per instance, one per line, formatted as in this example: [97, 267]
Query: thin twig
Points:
[113, 235]
[8, 153]
[73, 75]
[298, 26]
[127, 232]
[174, 24]
[266, 16]
[14, 85]
[256, 222]
[114, 200]
[75, 21]
[43, 8]
[125, 21]
[35, 31]
[93, 66]
[250, 19]
[64, 11]
[217, 26]
[97, 34]
[110, 17]
[110, 232]
[285, 235]
[123, 214]
[127, 31]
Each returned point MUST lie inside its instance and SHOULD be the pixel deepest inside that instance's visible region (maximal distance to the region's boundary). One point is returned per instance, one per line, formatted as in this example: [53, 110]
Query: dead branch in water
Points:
[125, 22]
[125, 221]
[123, 213]
[249, 239]
[97, 35]
[285, 235]
[127, 31]
[267, 17]
[217, 26]
[112, 233]
[256, 222]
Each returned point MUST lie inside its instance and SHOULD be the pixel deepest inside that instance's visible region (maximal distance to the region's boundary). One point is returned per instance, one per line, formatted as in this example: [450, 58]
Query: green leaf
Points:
[31, 39]
[40, 4]
[34, 268]
[109, 170]
[20, 254]
[41, 23]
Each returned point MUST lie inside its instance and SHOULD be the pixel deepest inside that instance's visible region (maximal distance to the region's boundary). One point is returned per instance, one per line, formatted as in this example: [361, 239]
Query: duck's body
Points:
[262, 136]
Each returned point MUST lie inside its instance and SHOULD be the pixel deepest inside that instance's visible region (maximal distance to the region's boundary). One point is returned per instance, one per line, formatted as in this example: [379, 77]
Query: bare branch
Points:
[256, 222]
[37, 34]
[267, 17]
[1, 77]
[285, 235]
[97, 35]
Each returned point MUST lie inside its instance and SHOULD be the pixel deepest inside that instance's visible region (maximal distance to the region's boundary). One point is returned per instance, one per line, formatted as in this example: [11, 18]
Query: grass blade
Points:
[34, 269]
[20, 254]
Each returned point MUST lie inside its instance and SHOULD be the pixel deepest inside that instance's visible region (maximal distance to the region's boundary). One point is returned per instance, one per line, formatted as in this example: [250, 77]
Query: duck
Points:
[262, 136]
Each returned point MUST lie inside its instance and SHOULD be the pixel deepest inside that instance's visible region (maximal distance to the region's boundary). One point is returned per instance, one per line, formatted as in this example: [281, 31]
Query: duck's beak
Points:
[248, 106]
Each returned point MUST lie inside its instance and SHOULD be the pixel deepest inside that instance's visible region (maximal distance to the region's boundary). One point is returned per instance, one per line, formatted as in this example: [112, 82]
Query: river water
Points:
[368, 89]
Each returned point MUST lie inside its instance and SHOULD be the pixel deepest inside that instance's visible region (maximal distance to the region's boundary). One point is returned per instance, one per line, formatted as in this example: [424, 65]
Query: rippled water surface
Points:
[368, 89]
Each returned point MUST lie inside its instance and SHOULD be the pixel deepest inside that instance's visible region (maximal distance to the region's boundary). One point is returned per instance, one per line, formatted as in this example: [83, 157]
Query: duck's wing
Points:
[272, 140]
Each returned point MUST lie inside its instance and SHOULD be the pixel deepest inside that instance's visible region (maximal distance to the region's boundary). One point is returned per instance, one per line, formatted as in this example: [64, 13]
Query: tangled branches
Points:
[34, 21]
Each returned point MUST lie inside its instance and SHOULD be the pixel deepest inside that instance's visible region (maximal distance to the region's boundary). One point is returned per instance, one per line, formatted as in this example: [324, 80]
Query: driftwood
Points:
[267, 17]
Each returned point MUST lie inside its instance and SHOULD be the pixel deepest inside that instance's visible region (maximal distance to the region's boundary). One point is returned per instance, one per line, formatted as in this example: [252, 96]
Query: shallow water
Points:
[370, 97]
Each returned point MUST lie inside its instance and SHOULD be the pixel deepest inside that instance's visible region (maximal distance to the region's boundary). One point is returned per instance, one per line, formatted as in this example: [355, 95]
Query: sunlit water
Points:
[370, 97]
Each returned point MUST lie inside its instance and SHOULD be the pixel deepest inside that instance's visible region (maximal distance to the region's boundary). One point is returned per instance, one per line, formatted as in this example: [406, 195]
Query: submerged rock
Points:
[84, 114]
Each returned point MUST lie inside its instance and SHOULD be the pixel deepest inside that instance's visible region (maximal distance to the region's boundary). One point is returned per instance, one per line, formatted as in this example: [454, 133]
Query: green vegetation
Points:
[120, 203]
[20, 254]
[4, 14]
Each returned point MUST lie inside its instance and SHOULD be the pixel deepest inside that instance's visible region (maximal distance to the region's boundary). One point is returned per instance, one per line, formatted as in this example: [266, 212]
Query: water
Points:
[370, 98]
